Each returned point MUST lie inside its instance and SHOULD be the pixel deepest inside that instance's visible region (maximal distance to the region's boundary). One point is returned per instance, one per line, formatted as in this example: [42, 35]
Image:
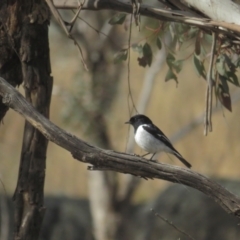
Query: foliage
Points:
[226, 56]
[146, 56]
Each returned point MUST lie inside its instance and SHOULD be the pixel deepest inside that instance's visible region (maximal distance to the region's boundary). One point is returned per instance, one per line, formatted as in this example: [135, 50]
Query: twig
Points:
[128, 64]
[136, 6]
[71, 23]
[210, 74]
[209, 91]
[171, 224]
[206, 113]
[99, 32]
[80, 51]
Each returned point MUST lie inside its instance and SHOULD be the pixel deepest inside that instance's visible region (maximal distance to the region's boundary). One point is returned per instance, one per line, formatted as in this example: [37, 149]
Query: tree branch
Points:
[61, 22]
[102, 159]
[160, 13]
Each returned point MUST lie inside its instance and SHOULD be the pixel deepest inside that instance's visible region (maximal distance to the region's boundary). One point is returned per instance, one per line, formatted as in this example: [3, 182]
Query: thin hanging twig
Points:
[136, 7]
[171, 224]
[128, 67]
[209, 92]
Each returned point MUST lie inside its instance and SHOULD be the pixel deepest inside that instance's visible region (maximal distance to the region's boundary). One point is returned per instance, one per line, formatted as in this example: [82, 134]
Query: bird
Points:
[150, 138]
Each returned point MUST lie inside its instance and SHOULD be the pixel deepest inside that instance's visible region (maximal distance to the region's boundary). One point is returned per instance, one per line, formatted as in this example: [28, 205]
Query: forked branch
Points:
[101, 159]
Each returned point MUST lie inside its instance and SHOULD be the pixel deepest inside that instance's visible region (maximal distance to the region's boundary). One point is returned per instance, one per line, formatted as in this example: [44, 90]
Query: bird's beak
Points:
[127, 122]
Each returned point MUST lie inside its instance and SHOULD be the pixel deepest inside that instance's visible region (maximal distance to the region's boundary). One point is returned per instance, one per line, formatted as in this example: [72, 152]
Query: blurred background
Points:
[94, 106]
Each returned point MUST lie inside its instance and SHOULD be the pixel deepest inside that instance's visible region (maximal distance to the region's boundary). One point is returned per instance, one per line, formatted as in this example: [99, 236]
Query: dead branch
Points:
[102, 159]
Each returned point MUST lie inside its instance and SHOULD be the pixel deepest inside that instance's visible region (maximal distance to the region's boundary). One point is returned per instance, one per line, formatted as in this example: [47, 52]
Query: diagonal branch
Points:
[115, 161]
[170, 223]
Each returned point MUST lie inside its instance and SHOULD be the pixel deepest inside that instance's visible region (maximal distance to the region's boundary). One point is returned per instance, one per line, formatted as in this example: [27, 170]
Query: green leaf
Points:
[199, 66]
[224, 98]
[174, 64]
[177, 65]
[146, 59]
[120, 56]
[224, 83]
[226, 68]
[229, 63]
[118, 18]
[198, 45]
[147, 52]
[170, 59]
[232, 78]
[220, 66]
[171, 75]
[159, 43]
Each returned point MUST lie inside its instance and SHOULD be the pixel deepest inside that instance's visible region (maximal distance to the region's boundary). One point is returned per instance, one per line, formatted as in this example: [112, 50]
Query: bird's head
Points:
[138, 119]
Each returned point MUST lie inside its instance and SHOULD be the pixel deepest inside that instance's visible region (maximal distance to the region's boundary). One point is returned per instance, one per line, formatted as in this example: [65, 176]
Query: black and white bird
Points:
[152, 139]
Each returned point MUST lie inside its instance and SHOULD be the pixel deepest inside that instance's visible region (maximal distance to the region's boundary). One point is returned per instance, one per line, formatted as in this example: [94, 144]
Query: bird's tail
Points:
[184, 161]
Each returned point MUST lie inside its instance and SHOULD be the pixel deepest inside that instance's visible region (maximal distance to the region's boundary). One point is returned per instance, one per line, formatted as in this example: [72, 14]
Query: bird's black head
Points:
[138, 120]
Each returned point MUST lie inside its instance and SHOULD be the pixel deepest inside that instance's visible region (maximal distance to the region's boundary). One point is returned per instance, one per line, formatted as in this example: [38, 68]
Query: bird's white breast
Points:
[148, 142]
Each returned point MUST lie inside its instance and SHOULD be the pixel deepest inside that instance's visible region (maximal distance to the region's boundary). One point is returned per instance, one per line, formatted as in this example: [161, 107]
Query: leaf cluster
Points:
[226, 56]
[226, 64]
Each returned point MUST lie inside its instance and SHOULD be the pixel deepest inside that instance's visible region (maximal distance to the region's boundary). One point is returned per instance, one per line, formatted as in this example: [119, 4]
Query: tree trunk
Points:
[24, 57]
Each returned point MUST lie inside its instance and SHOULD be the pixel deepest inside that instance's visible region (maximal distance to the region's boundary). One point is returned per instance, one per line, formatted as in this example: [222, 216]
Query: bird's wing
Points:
[158, 134]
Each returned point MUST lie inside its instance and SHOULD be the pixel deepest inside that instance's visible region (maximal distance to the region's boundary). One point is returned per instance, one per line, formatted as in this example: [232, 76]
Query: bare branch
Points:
[116, 161]
[171, 224]
[63, 25]
[128, 68]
